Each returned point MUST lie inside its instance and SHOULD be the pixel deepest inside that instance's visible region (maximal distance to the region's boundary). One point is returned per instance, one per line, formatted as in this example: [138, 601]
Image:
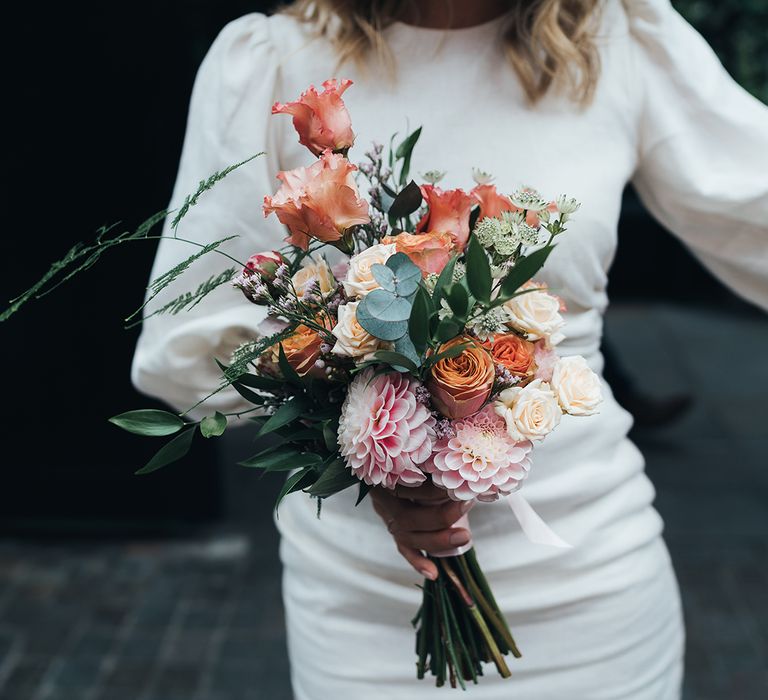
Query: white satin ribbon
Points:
[534, 528]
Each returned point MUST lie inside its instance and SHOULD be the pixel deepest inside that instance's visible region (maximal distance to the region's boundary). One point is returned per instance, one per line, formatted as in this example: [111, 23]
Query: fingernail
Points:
[465, 506]
[426, 573]
[459, 537]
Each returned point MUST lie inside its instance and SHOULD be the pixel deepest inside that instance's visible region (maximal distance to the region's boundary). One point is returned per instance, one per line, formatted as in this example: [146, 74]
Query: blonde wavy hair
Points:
[549, 43]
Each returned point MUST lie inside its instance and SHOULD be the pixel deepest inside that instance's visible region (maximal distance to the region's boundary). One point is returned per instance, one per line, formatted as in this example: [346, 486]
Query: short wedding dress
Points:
[601, 620]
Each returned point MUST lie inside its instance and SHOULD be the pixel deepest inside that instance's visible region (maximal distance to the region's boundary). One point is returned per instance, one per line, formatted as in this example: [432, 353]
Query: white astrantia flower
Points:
[486, 231]
[445, 310]
[567, 205]
[505, 245]
[433, 176]
[459, 271]
[525, 234]
[488, 324]
[430, 281]
[481, 177]
[528, 199]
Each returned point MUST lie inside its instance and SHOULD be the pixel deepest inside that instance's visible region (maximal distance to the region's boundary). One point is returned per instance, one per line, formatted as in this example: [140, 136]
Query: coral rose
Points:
[491, 202]
[321, 119]
[460, 385]
[430, 252]
[302, 350]
[512, 352]
[448, 213]
[321, 201]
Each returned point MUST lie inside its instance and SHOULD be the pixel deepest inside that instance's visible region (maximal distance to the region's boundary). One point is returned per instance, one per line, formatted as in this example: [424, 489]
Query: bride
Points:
[575, 96]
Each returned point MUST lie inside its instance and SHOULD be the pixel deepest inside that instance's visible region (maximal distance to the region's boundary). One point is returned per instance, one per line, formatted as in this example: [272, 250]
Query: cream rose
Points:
[531, 412]
[319, 272]
[352, 340]
[537, 314]
[576, 386]
[360, 280]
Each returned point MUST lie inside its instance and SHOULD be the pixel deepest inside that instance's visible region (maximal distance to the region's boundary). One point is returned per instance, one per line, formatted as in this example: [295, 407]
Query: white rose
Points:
[319, 272]
[360, 279]
[576, 386]
[531, 412]
[537, 314]
[352, 340]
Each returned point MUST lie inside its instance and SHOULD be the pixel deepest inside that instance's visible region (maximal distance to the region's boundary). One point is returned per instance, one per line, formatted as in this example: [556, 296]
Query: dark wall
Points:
[96, 103]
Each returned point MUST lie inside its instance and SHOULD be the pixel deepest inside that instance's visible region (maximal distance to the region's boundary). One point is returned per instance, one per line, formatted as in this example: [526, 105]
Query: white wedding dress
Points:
[601, 620]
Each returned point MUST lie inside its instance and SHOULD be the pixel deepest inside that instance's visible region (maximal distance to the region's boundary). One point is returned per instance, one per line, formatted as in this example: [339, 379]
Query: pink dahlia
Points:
[481, 460]
[384, 431]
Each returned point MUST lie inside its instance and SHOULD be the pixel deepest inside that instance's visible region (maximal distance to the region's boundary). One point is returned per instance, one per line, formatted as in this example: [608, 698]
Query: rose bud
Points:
[321, 119]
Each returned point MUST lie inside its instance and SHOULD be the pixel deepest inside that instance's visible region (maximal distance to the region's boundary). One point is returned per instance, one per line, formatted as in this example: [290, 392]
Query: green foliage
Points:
[148, 422]
[335, 477]
[404, 152]
[170, 452]
[213, 426]
[478, 271]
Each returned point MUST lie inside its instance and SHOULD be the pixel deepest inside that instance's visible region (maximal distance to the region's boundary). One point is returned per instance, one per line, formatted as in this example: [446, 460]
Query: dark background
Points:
[96, 102]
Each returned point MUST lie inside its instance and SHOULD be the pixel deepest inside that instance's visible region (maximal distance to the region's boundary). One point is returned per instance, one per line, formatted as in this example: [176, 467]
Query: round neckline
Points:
[448, 31]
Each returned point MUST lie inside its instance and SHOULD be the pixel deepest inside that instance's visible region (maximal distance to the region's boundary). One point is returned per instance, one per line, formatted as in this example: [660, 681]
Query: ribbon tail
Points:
[535, 529]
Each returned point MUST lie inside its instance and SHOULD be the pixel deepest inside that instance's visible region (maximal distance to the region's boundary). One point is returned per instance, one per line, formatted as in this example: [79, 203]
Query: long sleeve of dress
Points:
[703, 156]
[228, 121]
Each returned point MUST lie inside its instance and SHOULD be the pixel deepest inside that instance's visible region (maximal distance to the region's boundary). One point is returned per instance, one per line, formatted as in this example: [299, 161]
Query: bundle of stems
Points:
[459, 625]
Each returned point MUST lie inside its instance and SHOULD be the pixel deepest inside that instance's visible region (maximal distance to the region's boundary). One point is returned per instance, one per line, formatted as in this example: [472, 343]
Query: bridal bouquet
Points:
[404, 342]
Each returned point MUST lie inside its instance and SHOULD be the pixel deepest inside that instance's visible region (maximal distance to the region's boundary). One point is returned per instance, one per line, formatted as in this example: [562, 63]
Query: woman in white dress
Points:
[601, 620]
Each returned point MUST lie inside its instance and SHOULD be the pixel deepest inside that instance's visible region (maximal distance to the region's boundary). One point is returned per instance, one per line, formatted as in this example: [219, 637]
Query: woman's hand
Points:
[420, 518]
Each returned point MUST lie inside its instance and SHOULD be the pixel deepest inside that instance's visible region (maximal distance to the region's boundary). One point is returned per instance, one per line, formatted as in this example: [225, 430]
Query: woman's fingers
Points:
[424, 493]
[433, 542]
[418, 561]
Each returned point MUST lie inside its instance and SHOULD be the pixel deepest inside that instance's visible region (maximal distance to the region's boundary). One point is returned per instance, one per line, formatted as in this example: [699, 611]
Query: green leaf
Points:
[407, 274]
[524, 269]
[213, 426]
[281, 460]
[170, 452]
[256, 381]
[336, 477]
[289, 374]
[406, 202]
[458, 300]
[405, 347]
[362, 492]
[418, 323]
[447, 329]
[384, 276]
[479, 277]
[148, 422]
[444, 280]
[449, 352]
[295, 482]
[395, 360]
[330, 433]
[404, 151]
[287, 413]
[247, 394]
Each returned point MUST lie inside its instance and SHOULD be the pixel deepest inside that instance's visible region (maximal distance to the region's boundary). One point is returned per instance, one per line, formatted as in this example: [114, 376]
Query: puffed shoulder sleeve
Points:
[229, 120]
[703, 153]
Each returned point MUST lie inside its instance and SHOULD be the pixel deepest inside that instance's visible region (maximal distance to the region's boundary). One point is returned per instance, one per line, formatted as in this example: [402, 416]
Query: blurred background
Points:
[115, 587]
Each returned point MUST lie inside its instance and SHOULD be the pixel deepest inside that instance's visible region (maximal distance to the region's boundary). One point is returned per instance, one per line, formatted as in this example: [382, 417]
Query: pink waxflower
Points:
[321, 201]
[481, 460]
[321, 119]
[384, 431]
[448, 213]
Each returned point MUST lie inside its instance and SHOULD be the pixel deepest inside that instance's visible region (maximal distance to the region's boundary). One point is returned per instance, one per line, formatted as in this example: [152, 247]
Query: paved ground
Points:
[201, 619]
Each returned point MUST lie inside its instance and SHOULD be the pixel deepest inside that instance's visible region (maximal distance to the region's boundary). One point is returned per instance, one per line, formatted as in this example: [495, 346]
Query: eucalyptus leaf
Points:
[405, 347]
[213, 426]
[407, 274]
[170, 452]
[148, 421]
[384, 276]
[386, 306]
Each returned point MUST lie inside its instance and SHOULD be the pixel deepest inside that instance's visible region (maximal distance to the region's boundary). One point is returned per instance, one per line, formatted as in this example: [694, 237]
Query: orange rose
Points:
[511, 351]
[321, 119]
[461, 385]
[302, 350]
[320, 202]
[448, 213]
[430, 252]
[491, 202]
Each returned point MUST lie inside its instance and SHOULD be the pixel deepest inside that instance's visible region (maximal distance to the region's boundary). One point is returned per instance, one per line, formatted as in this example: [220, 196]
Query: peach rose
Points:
[491, 202]
[352, 340]
[321, 119]
[319, 272]
[448, 213]
[359, 279]
[460, 385]
[302, 350]
[320, 202]
[531, 412]
[511, 351]
[430, 252]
